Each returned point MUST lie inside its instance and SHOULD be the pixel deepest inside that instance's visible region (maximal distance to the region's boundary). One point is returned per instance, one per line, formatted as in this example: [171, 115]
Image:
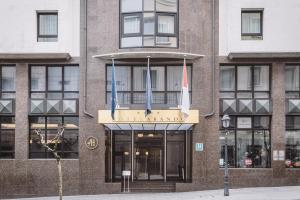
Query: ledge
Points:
[263, 55]
[35, 56]
[151, 54]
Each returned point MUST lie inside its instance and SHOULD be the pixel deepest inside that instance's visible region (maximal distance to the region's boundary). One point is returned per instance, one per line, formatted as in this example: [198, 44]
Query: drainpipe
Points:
[212, 112]
[85, 60]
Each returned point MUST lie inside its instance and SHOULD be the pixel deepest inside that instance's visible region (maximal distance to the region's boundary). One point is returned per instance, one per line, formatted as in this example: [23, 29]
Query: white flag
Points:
[185, 97]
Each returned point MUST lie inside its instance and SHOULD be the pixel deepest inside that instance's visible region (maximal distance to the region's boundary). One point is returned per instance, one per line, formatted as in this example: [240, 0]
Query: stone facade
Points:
[23, 177]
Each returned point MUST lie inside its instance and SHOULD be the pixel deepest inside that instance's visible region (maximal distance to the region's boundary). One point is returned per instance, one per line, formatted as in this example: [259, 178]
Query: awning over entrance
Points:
[157, 120]
[151, 54]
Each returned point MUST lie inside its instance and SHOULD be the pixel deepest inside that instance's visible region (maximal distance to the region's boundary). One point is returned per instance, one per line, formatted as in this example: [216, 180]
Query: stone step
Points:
[151, 186]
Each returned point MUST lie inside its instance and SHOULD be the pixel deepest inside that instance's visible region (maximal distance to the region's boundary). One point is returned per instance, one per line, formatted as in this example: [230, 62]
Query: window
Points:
[131, 84]
[292, 134]
[292, 81]
[252, 23]
[245, 81]
[47, 26]
[8, 76]
[248, 142]
[54, 82]
[7, 137]
[149, 23]
[67, 148]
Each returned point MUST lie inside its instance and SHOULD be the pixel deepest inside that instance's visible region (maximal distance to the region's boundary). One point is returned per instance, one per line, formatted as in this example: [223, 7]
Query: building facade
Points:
[242, 59]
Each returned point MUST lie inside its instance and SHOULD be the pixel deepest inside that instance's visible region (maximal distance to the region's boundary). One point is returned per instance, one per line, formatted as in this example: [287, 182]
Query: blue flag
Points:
[148, 90]
[114, 101]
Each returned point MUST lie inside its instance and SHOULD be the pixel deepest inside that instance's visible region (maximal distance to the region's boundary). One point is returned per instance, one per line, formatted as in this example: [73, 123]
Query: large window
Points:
[251, 81]
[292, 135]
[67, 148]
[248, 140]
[47, 26]
[54, 82]
[245, 96]
[54, 89]
[149, 23]
[131, 84]
[7, 137]
[252, 23]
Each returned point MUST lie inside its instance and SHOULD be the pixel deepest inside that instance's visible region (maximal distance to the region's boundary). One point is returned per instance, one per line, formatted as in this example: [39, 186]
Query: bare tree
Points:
[57, 139]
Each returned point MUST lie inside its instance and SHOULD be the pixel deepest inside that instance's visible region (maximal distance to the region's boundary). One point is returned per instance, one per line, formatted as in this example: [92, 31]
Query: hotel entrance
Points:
[153, 148]
[149, 155]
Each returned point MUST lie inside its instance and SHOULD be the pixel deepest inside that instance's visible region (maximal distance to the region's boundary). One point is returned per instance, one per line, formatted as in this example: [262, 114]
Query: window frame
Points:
[131, 92]
[39, 13]
[14, 136]
[45, 151]
[292, 91]
[10, 92]
[259, 11]
[252, 90]
[156, 34]
[46, 92]
[235, 130]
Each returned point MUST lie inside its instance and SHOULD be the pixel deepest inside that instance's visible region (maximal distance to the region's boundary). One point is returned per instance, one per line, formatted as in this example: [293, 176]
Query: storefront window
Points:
[248, 141]
[7, 137]
[67, 147]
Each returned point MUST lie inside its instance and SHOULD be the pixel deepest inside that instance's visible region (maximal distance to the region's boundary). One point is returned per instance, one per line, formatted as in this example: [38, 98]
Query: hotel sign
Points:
[91, 143]
[157, 116]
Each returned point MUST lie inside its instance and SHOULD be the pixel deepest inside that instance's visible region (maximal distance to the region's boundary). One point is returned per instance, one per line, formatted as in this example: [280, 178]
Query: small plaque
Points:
[244, 122]
[199, 147]
[126, 173]
[275, 155]
[281, 155]
[91, 143]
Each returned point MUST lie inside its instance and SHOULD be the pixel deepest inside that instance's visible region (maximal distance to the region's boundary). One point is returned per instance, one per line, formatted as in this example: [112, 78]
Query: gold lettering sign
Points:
[157, 116]
[91, 143]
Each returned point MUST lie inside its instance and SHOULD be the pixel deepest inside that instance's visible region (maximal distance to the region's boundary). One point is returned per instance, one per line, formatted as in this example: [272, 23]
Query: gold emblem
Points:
[91, 143]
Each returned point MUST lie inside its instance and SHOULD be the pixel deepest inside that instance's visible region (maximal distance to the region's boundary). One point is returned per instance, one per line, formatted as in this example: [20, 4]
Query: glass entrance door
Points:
[149, 155]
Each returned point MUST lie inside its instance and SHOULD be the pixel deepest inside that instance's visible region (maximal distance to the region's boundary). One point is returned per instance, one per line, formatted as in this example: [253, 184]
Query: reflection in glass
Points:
[244, 148]
[251, 22]
[292, 148]
[131, 41]
[244, 78]
[230, 148]
[148, 23]
[71, 82]
[8, 78]
[166, 24]
[166, 41]
[132, 24]
[261, 78]
[38, 78]
[54, 78]
[166, 5]
[149, 5]
[292, 78]
[227, 76]
[131, 5]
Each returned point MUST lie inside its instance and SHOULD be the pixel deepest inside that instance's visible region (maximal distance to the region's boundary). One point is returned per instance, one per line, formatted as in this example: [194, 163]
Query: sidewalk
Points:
[263, 193]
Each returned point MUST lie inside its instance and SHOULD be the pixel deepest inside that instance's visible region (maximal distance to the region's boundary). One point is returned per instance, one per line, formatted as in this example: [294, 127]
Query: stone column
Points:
[278, 119]
[21, 130]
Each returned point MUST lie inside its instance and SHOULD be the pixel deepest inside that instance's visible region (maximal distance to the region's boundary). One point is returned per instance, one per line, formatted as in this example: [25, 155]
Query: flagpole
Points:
[181, 92]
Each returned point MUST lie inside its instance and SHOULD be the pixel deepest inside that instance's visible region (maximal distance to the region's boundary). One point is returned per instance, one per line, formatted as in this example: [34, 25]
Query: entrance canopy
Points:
[157, 120]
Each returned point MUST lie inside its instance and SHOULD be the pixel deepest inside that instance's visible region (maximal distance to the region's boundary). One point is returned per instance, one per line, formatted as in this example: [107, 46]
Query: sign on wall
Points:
[199, 147]
[244, 122]
[91, 143]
